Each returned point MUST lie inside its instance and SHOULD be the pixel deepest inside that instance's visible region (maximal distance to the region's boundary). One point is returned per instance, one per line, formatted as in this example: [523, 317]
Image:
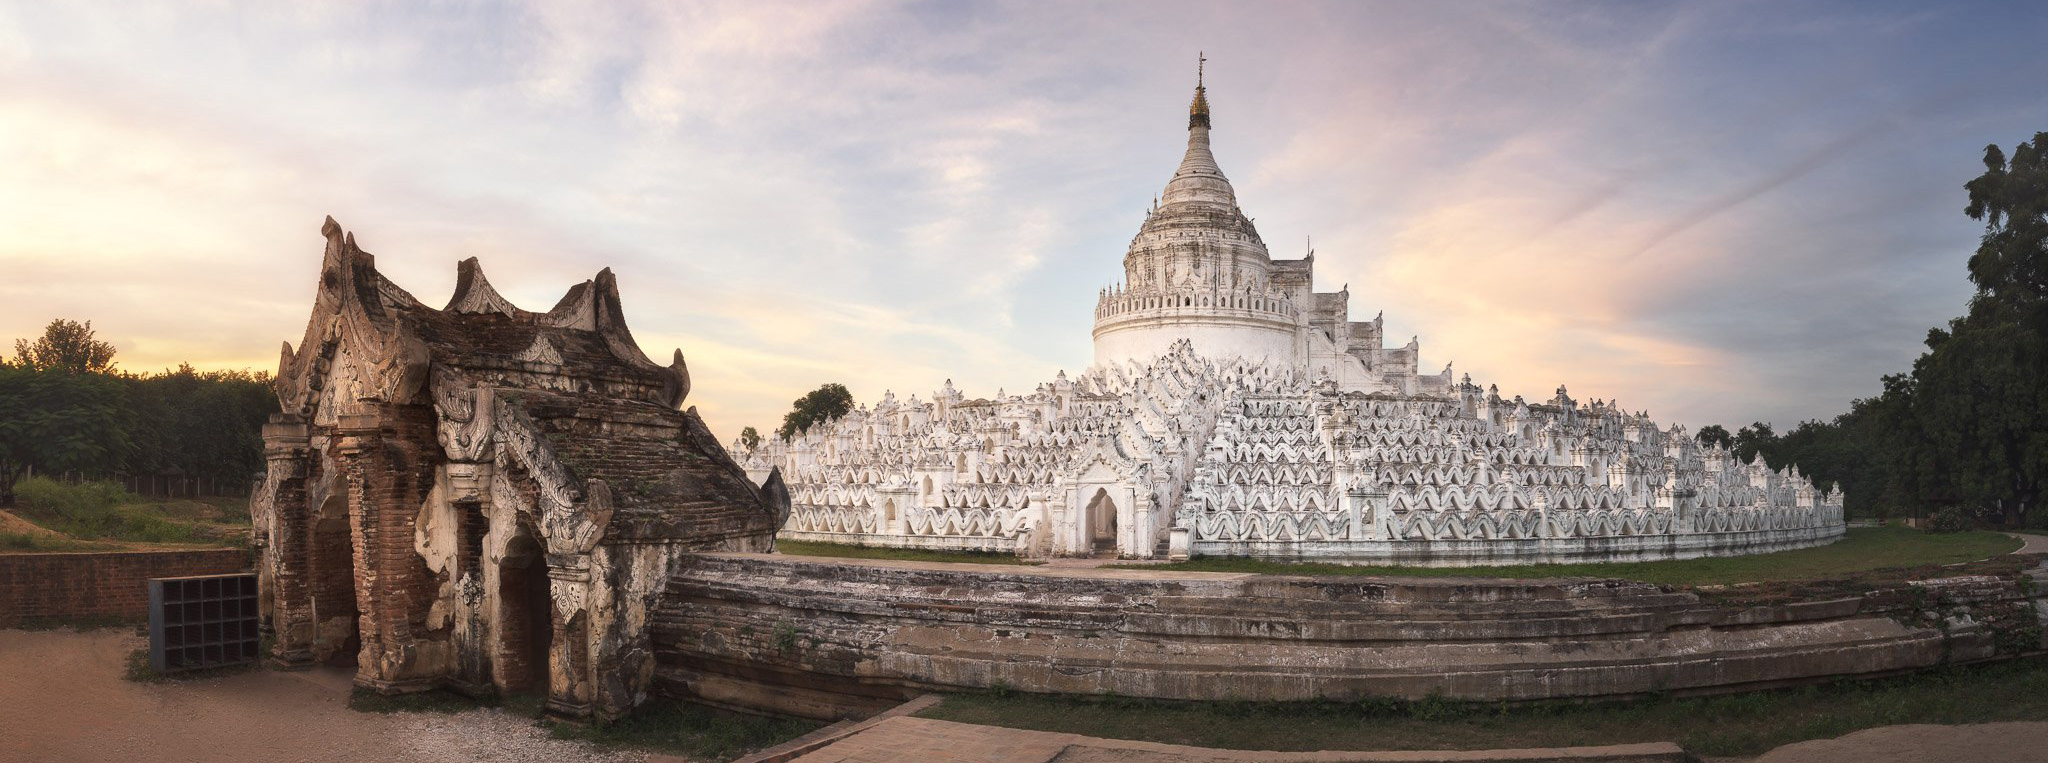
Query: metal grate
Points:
[204, 621]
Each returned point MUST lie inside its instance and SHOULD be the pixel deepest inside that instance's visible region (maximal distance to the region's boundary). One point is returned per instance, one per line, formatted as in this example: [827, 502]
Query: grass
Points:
[1861, 549]
[441, 701]
[690, 730]
[848, 551]
[13, 542]
[1733, 724]
[140, 671]
[661, 725]
[104, 512]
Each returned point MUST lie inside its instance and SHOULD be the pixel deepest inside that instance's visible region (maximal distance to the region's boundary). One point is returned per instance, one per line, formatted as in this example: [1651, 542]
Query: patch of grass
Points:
[436, 701]
[1733, 724]
[139, 670]
[105, 511]
[34, 542]
[217, 510]
[690, 730]
[1861, 549]
[849, 551]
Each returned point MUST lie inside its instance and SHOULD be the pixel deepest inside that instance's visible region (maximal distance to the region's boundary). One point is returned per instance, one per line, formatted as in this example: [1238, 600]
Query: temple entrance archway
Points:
[525, 617]
[332, 567]
[1100, 519]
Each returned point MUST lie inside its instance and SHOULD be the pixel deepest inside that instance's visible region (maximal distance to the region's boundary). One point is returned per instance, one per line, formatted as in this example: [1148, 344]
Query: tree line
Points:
[1962, 436]
[65, 408]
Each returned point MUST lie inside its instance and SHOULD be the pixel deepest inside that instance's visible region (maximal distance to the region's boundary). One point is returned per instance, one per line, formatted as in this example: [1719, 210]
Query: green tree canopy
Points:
[818, 406]
[750, 437]
[1714, 434]
[54, 420]
[1754, 440]
[2011, 197]
[66, 346]
[63, 408]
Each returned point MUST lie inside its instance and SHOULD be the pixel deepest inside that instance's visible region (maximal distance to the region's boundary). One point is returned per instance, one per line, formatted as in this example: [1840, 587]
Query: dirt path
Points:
[2020, 742]
[62, 698]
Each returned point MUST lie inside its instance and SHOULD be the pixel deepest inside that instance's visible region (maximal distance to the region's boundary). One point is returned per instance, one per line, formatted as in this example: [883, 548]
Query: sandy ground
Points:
[62, 698]
[2021, 742]
[13, 524]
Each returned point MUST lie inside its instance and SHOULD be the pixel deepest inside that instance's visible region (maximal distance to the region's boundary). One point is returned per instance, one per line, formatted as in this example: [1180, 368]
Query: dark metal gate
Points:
[204, 621]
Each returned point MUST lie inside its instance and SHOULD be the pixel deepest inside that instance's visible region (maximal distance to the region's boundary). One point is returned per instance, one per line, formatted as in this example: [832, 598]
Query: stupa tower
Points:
[1197, 270]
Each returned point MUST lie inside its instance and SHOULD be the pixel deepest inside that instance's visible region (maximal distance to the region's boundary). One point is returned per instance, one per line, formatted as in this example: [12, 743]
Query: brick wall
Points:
[102, 584]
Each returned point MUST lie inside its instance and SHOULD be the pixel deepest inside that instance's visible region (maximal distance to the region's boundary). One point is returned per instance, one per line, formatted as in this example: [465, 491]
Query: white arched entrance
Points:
[1099, 520]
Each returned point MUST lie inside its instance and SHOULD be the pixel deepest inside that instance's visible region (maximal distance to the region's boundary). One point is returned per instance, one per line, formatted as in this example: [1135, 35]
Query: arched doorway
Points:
[525, 617]
[333, 567]
[1101, 523]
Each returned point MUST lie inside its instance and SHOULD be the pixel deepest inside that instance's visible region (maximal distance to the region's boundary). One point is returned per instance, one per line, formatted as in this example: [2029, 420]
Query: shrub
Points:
[94, 510]
[1948, 520]
[85, 509]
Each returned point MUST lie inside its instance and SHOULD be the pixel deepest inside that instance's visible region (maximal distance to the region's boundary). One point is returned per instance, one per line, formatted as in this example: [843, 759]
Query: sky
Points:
[1717, 212]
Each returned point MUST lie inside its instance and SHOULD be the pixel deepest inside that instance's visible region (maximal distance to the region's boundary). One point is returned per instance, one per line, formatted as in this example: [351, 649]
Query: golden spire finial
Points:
[1198, 112]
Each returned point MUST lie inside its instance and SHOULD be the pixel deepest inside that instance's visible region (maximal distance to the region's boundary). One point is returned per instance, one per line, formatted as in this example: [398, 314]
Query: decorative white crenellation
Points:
[1233, 410]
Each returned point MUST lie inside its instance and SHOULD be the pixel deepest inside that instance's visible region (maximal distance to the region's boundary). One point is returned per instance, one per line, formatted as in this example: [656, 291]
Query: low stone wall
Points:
[37, 587]
[837, 638]
[1505, 551]
[969, 543]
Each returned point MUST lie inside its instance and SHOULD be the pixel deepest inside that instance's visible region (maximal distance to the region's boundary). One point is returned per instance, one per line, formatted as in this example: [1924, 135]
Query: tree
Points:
[1714, 434]
[66, 346]
[54, 420]
[750, 437]
[818, 406]
[1981, 388]
[2011, 197]
[1754, 440]
[199, 424]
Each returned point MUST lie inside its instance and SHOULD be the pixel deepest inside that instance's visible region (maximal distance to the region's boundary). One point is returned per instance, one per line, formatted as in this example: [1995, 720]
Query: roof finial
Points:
[1198, 112]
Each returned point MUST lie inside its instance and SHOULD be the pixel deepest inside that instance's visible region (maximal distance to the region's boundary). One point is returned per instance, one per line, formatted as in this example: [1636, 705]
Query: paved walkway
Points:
[2035, 544]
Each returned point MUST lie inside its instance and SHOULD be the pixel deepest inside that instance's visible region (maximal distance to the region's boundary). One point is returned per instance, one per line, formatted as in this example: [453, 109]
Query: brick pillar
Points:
[286, 550]
[388, 457]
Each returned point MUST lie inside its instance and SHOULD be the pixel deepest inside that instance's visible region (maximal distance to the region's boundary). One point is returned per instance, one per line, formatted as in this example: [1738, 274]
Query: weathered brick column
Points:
[388, 459]
[286, 550]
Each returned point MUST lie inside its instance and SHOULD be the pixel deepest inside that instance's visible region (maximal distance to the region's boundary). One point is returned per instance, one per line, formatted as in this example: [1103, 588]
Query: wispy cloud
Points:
[1690, 208]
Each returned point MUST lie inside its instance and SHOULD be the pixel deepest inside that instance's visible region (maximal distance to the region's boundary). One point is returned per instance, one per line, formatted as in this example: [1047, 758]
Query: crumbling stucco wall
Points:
[830, 639]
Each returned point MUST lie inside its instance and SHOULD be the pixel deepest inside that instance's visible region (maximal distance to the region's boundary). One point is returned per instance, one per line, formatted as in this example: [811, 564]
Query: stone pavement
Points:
[905, 738]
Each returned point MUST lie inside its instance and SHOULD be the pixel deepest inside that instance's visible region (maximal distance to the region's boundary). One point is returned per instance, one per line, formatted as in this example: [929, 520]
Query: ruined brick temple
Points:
[483, 498]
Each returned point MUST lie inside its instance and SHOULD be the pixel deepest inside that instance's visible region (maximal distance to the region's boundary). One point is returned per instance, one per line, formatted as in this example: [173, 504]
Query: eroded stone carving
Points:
[481, 497]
